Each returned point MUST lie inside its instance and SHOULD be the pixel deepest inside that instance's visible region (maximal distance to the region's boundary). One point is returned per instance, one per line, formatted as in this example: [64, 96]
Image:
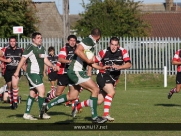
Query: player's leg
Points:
[110, 92]
[81, 78]
[178, 86]
[36, 82]
[52, 77]
[29, 103]
[61, 99]
[15, 90]
[8, 78]
[106, 84]
[61, 84]
[86, 103]
[68, 103]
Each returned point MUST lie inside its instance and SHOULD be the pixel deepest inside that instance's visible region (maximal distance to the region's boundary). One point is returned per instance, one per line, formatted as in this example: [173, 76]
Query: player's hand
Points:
[106, 67]
[8, 60]
[54, 68]
[69, 61]
[115, 66]
[16, 74]
[91, 61]
[58, 68]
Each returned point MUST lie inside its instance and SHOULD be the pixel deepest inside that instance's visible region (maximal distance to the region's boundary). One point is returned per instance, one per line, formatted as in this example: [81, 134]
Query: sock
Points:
[52, 94]
[68, 102]
[81, 89]
[41, 100]
[82, 104]
[107, 104]
[10, 95]
[93, 105]
[173, 90]
[15, 95]
[29, 103]
[73, 101]
[62, 98]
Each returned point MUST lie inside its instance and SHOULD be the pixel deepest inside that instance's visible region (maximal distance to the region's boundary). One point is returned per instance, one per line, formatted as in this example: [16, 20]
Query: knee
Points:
[96, 90]
[112, 93]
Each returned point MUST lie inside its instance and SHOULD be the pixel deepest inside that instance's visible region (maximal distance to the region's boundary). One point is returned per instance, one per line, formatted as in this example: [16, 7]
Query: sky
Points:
[76, 8]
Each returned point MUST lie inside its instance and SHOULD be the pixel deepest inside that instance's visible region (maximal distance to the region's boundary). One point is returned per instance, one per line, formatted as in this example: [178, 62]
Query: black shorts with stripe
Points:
[178, 78]
[8, 75]
[52, 76]
[63, 80]
[105, 78]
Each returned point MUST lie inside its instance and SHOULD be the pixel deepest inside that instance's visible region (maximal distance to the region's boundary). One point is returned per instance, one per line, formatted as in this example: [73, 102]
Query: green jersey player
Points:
[78, 74]
[35, 57]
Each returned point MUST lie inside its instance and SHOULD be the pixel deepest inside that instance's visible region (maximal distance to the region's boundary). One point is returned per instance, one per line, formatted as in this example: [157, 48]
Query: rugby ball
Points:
[89, 54]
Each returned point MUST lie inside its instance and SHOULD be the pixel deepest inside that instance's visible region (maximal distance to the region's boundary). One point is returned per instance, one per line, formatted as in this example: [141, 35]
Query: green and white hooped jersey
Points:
[77, 63]
[35, 58]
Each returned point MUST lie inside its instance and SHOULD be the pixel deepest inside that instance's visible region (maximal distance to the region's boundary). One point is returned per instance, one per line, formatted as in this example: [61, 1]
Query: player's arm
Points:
[45, 69]
[21, 63]
[24, 67]
[126, 65]
[48, 63]
[1, 53]
[89, 71]
[62, 56]
[174, 62]
[96, 66]
[5, 60]
[79, 51]
[62, 60]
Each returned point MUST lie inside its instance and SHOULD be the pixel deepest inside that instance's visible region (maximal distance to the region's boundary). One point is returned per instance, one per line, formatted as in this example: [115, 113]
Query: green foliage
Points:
[114, 18]
[17, 13]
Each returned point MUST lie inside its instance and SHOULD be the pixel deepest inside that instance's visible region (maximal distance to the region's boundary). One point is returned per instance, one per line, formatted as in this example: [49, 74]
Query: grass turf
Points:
[143, 101]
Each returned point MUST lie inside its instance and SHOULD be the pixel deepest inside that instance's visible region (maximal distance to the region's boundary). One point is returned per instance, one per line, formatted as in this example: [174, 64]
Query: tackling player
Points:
[118, 58]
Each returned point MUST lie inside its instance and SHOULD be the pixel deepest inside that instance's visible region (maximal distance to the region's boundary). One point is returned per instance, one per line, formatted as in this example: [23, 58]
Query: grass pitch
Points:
[143, 101]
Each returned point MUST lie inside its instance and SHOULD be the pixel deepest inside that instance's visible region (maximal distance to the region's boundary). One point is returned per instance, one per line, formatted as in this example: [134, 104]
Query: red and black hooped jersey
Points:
[67, 52]
[15, 56]
[177, 57]
[106, 57]
[53, 59]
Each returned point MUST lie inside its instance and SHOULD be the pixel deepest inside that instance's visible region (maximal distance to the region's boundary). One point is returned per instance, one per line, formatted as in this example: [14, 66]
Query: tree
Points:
[17, 13]
[114, 18]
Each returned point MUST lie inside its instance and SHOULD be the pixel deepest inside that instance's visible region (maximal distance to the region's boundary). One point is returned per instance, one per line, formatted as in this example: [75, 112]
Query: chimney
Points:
[169, 5]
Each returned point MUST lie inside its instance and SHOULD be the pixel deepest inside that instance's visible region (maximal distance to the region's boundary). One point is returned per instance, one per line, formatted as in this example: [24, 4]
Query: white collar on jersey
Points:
[90, 36]
[38, 46]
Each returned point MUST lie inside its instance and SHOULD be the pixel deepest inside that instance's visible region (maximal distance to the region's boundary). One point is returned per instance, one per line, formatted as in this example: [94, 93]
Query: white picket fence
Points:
[148, 55]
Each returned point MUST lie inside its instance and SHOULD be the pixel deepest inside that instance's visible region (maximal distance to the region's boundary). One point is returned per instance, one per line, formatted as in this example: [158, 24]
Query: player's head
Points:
[12, 41]
[72, 40]
[51, 50]
[114, 44]
[37, 38]
[96, 34]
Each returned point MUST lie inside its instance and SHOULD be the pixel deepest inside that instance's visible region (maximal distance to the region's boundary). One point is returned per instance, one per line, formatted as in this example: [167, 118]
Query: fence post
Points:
[125, 79]
[165, 76]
